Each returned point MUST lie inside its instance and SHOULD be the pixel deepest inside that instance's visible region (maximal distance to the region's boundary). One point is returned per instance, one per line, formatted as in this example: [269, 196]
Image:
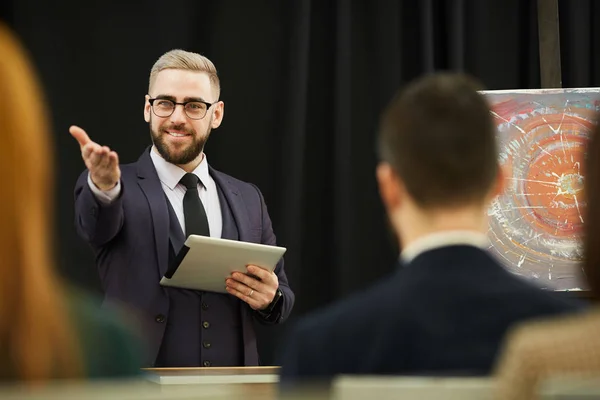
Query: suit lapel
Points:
[236, 203]
[242, 221]
[176, 235]
[230, 230]
[150, 185]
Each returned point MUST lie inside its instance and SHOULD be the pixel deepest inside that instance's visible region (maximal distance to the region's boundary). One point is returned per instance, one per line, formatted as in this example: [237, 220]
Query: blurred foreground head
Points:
[36, 337]
[591, 227]
[438, 153]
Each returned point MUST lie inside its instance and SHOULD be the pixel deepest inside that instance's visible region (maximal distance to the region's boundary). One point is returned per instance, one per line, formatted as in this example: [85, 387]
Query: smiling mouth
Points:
[177, 134]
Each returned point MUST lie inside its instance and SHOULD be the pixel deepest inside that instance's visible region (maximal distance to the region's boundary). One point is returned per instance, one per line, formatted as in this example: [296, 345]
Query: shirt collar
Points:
[443, 239]
[171, 174]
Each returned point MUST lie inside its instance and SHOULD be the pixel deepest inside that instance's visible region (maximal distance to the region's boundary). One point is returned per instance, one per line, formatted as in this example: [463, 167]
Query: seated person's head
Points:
[439, 168]
[36, 336]
[591, 264]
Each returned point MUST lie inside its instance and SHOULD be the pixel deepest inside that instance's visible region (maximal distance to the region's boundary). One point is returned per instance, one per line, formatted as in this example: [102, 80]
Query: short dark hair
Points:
[439, 137]
[591, 250]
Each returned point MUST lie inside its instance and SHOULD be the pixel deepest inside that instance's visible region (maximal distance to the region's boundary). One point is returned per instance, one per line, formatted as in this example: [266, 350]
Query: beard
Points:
[179, 156]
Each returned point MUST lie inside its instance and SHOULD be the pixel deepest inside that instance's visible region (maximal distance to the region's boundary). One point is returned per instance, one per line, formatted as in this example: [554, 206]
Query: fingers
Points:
[249, 282]
[113, 160]
[101, 161]
[80, 135]
[256, 301]
[269, 278]
[257, 293]
[98, 157]
[105, 158]
[87, 150]
[259, 272]
[93, 153]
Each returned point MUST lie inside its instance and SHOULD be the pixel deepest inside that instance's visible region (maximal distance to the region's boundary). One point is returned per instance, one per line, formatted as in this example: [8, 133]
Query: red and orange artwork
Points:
[535, 225]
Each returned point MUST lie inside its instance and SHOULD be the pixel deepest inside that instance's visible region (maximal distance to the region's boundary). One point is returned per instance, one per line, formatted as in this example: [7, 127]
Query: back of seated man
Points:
[448, 304]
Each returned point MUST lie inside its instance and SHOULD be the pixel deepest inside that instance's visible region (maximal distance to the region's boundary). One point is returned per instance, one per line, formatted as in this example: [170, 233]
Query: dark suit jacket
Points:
[445, 313]
[130, 238]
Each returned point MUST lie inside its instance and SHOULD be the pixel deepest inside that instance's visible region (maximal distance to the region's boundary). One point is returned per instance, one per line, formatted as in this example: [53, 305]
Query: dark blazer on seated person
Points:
[443, 313]
[108, 342]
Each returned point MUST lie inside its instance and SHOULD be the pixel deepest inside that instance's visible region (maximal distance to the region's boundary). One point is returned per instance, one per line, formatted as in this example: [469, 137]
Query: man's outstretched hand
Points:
[102, 162]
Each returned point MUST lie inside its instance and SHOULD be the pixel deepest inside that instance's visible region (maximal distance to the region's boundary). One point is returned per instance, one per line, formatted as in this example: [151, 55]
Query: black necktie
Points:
[196, 222]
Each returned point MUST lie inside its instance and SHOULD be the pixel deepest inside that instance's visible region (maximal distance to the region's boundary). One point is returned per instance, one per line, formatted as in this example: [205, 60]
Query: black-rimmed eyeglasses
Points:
[194, 109]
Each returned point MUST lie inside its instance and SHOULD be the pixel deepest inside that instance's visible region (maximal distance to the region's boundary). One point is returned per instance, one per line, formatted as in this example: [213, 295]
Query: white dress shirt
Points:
[443, 239]
[169, 176]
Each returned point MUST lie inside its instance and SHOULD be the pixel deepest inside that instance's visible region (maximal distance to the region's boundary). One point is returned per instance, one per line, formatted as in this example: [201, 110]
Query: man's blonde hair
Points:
[188, 61]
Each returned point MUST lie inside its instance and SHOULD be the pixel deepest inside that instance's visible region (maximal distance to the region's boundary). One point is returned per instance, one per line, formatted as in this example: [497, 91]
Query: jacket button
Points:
[206, 345]
[204, 306]
[206, 324]
[160, 318]
[206, 363]
[94, 212]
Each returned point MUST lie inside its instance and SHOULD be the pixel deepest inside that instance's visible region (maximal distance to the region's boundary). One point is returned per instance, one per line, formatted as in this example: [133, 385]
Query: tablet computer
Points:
[204, 263]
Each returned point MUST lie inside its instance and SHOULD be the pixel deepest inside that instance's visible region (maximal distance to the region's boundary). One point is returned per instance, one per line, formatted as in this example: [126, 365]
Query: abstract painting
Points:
[535, 225]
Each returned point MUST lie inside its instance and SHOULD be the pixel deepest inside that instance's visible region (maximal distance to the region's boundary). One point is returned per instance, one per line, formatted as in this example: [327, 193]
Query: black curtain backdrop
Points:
[303, 84]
